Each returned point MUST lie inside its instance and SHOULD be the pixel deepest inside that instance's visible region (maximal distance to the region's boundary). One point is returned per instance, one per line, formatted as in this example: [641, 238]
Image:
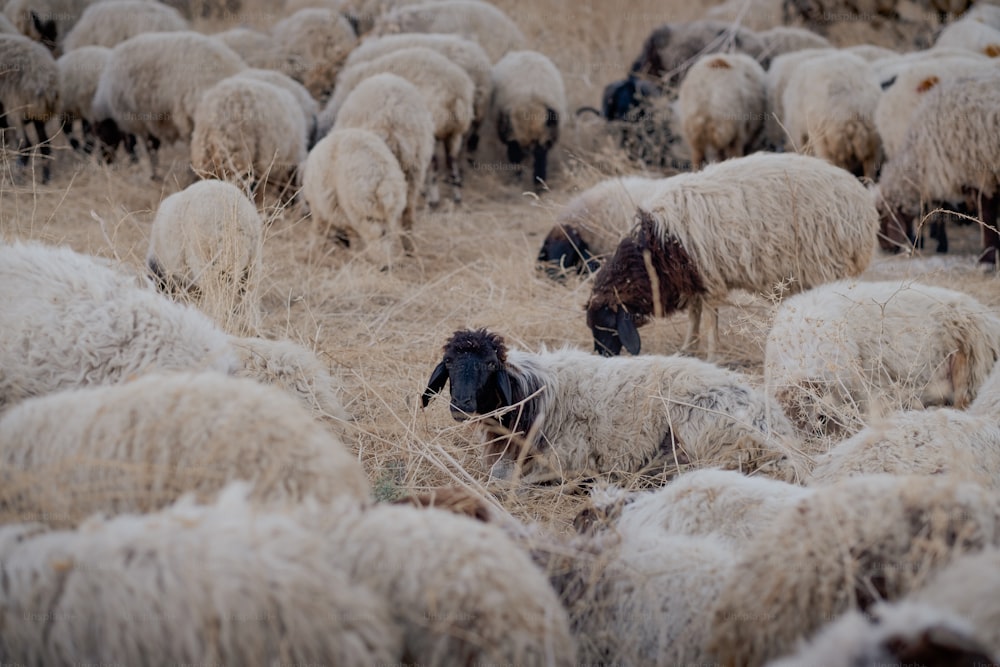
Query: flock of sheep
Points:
[176, 488]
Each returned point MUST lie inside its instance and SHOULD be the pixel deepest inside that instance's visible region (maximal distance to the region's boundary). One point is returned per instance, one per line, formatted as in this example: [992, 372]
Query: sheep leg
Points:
[712, 332]
[87, 132]
[541, 169]
[452, 162]
[991, 237]
[694, 326]
[697, 158]
[472, 143]
[46, 148]
[433, 194]
[152, 149]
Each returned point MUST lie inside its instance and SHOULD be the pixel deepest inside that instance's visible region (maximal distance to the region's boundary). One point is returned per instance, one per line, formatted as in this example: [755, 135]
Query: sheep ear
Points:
[503, 384]
[439, 377]
[627, 332]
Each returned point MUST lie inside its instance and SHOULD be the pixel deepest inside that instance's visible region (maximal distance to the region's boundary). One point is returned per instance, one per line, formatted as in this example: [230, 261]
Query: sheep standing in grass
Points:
[110, 22]
[758, 223]
[722, 102]
[842, 353]
[29, 90]
[315, 42]
[566, 412]
[79, 72]
[140, 445]
[69, 320]
[205, 244]
[529, 106]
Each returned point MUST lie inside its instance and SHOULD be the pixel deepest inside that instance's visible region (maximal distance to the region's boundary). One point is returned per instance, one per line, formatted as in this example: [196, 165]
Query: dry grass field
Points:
[474, 264]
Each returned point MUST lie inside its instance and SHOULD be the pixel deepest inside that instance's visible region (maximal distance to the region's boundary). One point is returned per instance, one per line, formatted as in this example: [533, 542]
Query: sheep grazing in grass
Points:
[69, 320]
[29, 90]
[110, 22]
[205, 245]
[316, 42]
[758, 223]
[79, 72]
[845, 546]
[529, 106]
[140, 445]
[565, 412]
[722, 102]
[844, 353]
[671, 49]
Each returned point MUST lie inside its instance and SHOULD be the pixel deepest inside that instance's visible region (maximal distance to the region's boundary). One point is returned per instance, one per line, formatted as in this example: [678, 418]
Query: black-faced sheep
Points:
[571, 413]
[758, 223]
[29, 90]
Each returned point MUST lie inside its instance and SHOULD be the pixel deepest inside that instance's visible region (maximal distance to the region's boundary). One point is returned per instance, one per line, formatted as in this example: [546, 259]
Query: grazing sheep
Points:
[590, 226]
[829, 106]
[973, 35]
[758, 223]
[45, 21]
[29, 91]
[529, 106]
[786, 39]
[480, 22]
[946, 157]
[184, 65]
[447, 91]
[140, 445]
[566, 412]
[722, 103]
[845, 546]
[110, 22]
[225, 582]
[843, 353]
[249, 132]
[352, 177]
[671, 49]
[392, 108]
[310, 107]
[316, 42]
[776, 81]
[205, 244]
[70, 320]
[79, 72]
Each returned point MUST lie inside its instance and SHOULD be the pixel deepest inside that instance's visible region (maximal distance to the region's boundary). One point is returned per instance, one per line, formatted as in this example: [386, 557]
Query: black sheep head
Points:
[474, 364]
[563, 249]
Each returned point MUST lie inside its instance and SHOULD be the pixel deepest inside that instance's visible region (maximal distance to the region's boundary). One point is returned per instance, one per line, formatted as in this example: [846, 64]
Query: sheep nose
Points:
[462, 410]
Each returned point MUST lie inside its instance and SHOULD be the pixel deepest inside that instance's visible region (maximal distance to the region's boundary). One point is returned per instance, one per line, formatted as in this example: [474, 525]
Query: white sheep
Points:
[183, 64]
[843, 353]
[45, 21]
[316, 42]
[110, 22]
[760, 223]
[249, 132]
[479, 21]
[310, 107]
[529, 108]
[829, 106]
[139, 445]
[393, 108]
[29, 91]
[448, 94]
[224, 583]
[845, 546]
[973, 35]
[70, 320]
[776, 81]
[565, 412]
[984, 12]
[353, 184]
[946, 157]
[79, 72]
[722, 102]
[787, 39]
[205, 245]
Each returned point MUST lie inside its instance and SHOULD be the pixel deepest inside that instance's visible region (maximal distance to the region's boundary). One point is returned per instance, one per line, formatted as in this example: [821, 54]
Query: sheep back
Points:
[79, 72]
[315, 42]
[29, 87]
[110, 22]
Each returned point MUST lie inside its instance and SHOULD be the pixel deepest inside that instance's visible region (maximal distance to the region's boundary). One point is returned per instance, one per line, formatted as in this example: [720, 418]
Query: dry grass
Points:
[474, 266]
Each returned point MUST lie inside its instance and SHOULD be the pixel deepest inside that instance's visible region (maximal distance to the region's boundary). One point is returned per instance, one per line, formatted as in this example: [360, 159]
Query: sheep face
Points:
[563, 249]
[622, 98]
[474, 365]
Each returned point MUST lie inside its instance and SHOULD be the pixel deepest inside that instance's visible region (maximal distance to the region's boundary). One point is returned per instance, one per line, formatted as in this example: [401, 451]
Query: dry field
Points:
[474, 264]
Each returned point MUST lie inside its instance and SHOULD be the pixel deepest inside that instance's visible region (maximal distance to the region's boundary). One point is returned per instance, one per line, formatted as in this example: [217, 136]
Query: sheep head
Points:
[565, 248]
[622, 297]
[474, 364]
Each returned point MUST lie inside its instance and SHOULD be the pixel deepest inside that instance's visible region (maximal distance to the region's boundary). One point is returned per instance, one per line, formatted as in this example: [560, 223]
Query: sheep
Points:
[316, 41]
[985, 13]
[722, 102]
[394, 109]
[786, 39]
[756, 223]
[478, 21]
[351, 176]
[249, 132]
[591, 224]
[310, 107]
[224, 583]
[829, 106]
[672, 48]
[448, 94]
[846, 352]
[69, 320]
[946, 157]
[79, 72]
[110, 22]
[29, 89]
[205, 244]
[463, 52]
[184, 65]
[655, 413]
[137, 446]
[529, 107]
[45, 21]
[845, 546]
[973, 35]
[295, 369]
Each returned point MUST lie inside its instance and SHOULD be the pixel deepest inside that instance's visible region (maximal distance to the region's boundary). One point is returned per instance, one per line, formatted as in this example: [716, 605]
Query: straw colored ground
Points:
[474, 264]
